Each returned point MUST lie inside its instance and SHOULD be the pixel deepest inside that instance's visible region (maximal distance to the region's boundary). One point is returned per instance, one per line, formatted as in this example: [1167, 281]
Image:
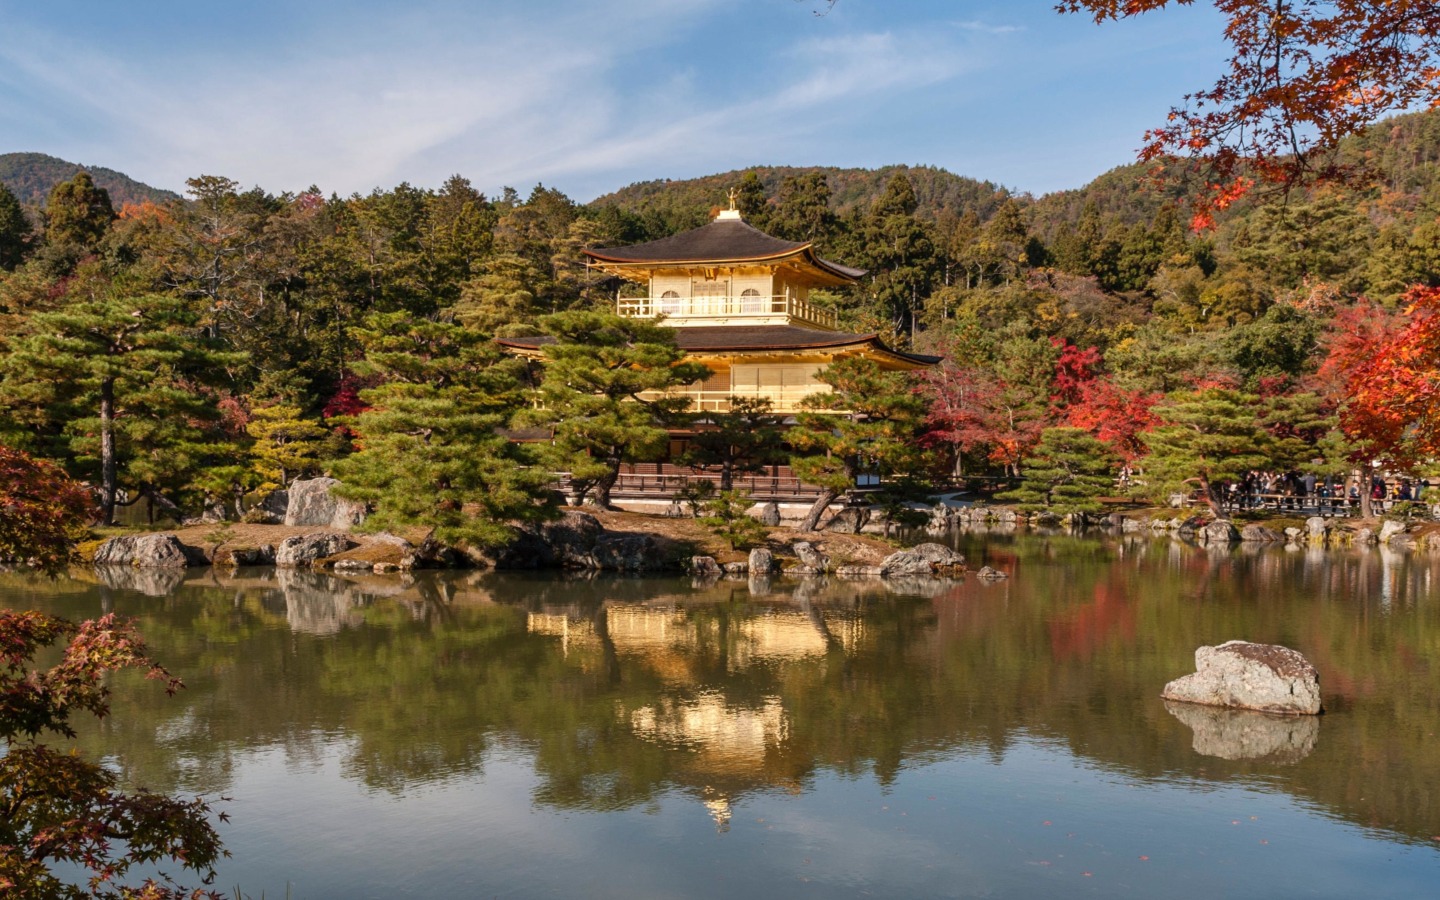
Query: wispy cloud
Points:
[987, 28]
[604, 87]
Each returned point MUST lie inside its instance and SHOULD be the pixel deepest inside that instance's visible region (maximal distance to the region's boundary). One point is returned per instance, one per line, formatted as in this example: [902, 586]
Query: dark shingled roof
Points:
[720, 338]
[723, 240]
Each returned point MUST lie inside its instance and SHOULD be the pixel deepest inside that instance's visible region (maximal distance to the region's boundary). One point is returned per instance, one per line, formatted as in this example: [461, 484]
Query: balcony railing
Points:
[725, 308]
[784, 399]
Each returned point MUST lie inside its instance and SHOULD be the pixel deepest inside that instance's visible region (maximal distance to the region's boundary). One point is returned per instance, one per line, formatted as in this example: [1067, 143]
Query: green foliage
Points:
[432, 448]
[694, 494]
[1067, 472]
[14, 231]
[744, 438]
[287, 445]
[866, 424]
[1205, 438]
[78, 212]
[116, 382]
[603, 394]
[64, 811]
[727, 517]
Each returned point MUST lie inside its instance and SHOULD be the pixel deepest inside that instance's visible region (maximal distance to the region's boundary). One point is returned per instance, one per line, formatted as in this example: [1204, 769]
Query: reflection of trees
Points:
[624, 688]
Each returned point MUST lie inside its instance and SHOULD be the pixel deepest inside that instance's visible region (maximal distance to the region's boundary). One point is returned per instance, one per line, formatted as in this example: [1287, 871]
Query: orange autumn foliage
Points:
[1300, 77]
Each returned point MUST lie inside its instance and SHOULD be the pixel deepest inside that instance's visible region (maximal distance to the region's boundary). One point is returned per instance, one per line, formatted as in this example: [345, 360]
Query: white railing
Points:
[783, 400]
[724, 308]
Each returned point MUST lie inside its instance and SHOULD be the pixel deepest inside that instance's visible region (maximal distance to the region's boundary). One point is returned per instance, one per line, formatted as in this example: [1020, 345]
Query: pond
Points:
[509, 735]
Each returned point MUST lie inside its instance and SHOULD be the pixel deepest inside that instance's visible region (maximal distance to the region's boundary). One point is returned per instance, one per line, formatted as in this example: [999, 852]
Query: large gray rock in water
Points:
[1219, 533]
[810, 557]
[304, 549]
[924, 559]
[1246, 734]
[1258, 534]
[148, 551]
[1265, 677]
[762, 561]
[313, 504]
[704, 566]
[1317, 527]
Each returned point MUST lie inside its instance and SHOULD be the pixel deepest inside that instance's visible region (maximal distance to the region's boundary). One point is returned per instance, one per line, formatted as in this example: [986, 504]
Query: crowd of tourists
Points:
[1325, 494]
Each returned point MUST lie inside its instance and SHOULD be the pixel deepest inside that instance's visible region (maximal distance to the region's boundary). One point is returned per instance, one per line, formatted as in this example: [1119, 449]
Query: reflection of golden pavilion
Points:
[656, 633]
[724, 735]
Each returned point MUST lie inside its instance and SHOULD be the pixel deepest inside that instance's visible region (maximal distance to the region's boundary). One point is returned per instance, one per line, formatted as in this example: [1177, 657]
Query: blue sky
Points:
[587, 95]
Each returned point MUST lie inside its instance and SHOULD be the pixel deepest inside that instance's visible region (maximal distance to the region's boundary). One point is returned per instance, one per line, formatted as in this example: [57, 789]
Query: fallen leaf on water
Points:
[1145, 858]
[1234, 821]
[1046, 822]
[1263, 841]
[1087, 874]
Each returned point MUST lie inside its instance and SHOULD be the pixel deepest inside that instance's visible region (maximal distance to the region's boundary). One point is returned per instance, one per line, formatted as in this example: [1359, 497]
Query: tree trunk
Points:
[1211, 499]
[108, 486]
[822, 503]
[727, 476]
[600, 490]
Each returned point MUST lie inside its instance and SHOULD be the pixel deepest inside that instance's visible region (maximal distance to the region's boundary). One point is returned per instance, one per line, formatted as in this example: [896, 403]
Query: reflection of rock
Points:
[152, 582]
[316, 603]
[1244, 734]
[1266, 677]
[918, 585]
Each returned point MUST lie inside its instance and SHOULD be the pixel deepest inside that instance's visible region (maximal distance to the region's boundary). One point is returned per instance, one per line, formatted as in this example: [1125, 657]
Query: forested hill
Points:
[667, 206]
[1402, 154]
[30, 176]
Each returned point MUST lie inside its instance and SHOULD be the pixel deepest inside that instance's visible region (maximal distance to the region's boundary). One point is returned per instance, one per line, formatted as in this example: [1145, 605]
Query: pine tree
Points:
[118, 381]
[745, 438]
[603, 394]
[14, 231]
[866, 424]
[78, 212]
[433, 452]
[1066, 472]
[287, 446]
[1205, 438]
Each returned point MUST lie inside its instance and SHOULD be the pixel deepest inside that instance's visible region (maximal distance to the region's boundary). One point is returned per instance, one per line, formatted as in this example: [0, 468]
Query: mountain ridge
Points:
[30, 177]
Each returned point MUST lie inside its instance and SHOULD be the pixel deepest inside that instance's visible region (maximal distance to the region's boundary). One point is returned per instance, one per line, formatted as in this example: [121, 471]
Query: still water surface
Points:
[531, 736]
